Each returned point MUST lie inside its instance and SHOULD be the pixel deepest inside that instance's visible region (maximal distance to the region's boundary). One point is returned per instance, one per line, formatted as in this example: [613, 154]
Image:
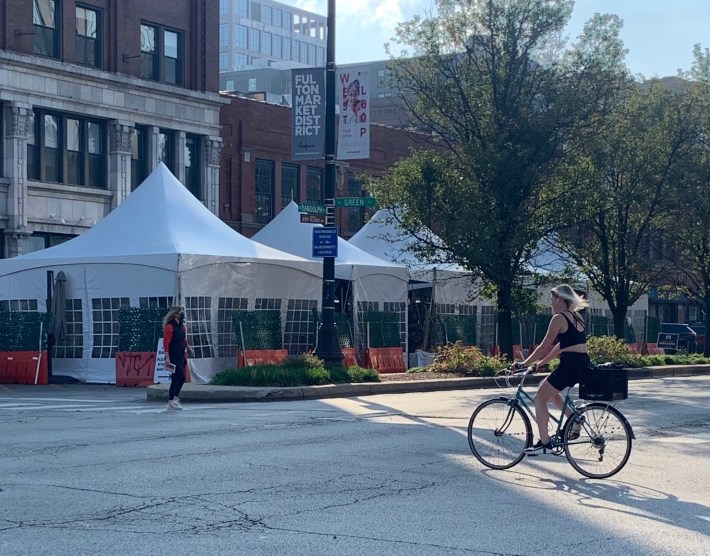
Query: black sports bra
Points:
[572, 336]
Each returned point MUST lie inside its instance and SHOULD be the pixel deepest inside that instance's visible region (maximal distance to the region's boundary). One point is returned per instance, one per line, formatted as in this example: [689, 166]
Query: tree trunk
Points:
[619, 315]
[505, 320]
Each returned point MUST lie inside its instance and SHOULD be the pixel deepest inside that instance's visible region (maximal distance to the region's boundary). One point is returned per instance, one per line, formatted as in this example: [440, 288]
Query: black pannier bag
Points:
[606, 383]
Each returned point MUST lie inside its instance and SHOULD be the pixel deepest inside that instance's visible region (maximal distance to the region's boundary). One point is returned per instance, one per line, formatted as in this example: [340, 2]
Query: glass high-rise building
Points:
[257, 34]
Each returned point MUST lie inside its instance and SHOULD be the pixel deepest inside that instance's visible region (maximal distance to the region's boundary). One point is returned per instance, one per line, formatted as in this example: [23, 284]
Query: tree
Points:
[507, 109]
[627, 181]
[690, 227]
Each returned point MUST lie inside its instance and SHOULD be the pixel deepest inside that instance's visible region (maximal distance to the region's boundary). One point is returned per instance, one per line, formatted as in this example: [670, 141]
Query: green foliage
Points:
[342, 323]
[307, 360]
[271, 375]
[360, 374]
[610, 348]
[139, 328]
[383, 328]
[459, 328]
[19, 330]
[459, 359]
[259, 329]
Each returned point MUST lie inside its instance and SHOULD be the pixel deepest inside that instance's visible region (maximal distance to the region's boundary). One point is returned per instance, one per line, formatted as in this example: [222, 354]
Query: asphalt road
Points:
[99, 470]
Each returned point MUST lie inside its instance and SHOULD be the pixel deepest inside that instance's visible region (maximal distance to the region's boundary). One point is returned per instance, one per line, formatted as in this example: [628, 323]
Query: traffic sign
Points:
[313, 218]
[311, 208]
[325, 242]
[355, 202]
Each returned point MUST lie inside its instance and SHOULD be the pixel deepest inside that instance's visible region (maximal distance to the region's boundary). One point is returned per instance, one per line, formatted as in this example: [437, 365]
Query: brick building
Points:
[93, 95]
[258, 177]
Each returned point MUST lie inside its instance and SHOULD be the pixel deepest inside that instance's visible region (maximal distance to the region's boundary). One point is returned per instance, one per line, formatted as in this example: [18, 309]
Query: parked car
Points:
[699, 330]
[687, 337]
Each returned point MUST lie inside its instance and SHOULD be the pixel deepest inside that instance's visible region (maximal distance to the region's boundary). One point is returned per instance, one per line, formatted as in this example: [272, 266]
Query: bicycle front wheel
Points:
[498, 432]
[604, 443]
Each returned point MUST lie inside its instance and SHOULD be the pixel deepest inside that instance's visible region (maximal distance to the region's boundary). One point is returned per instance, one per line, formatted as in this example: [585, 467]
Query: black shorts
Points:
[566, 374]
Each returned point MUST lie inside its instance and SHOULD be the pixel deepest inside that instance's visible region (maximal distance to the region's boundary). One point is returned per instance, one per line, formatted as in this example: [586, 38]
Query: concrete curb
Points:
[207, 393]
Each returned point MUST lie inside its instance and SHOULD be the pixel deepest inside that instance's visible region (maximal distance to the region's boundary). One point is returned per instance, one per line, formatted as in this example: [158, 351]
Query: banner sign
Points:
[352, 89]
[308, 114]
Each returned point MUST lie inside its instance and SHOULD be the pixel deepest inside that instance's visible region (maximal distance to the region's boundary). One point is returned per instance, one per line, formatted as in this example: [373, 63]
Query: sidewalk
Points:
[206, 393]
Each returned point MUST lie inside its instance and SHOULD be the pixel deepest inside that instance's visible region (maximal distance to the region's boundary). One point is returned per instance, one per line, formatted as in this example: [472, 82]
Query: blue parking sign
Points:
[325, 242]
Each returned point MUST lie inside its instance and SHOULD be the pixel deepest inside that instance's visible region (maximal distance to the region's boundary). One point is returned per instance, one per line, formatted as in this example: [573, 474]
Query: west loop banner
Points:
[352, 88]
[308, 114]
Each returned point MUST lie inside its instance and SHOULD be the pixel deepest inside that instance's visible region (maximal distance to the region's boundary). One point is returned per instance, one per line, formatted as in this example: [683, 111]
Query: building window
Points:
[224, 34]
[166, 149]
[289, 184]
[67, 149]
[251, 84]
[242, 62]
[278, 17]
[320, 56]
[45, 18]
[288, 21]
[254, 40]
[223, 60]
[139, 157]
[192, 164]
[276, 46]
[286, 49]
[241, 36]
[167, 67]
[242, 9]
[104, 312]
[264, 189]
[39, 240]
[312, 54]
[314, 185]
[255, 14]
[88, 38]
[294, 50]
[266, 14]
[266, 43]
[224, 7]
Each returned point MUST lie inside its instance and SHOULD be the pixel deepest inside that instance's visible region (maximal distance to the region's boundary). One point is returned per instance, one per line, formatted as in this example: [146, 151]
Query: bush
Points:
[360, 374]
[271, 375]
[610, 348]
[456, 358]
[459, 359]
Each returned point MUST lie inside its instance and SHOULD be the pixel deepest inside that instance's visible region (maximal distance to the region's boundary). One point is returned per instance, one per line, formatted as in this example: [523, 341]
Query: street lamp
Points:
[328, 348]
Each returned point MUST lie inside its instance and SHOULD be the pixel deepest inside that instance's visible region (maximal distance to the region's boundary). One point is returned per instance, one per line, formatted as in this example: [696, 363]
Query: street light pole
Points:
[328, 347]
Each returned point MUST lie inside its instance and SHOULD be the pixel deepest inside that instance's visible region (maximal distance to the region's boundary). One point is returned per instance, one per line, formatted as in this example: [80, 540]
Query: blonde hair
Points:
[172, 313]
[574, 301]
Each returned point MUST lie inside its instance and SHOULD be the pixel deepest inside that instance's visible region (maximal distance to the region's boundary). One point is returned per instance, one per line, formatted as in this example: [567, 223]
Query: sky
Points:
[659, 34]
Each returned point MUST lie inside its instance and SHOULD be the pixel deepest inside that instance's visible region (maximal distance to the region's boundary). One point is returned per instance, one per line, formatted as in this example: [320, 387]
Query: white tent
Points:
[383, 238]
[373, 280]
[161, 245]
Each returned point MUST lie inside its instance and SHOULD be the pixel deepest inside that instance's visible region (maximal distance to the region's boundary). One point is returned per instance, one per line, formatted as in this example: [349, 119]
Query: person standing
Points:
[176, 346]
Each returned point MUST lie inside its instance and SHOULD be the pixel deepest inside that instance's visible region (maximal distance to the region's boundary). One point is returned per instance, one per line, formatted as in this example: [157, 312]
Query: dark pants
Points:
[177, 379]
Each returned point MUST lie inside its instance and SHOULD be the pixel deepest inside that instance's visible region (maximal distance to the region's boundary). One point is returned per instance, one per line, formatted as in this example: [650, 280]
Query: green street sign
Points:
[311, 208]
[355, 202]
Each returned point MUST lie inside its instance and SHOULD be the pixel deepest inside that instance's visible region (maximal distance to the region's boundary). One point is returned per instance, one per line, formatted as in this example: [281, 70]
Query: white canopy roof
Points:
[381, 237]
[288, 233]
[161, 219]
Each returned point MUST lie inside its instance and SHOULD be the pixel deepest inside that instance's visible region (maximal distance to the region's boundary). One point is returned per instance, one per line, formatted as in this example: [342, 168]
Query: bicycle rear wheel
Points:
[498, 432]
[604, 443]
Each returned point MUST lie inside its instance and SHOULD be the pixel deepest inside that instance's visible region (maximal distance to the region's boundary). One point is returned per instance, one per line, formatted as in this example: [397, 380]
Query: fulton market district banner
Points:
[308, 114]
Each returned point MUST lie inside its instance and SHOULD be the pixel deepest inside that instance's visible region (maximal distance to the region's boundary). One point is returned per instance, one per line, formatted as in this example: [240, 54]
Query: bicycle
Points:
[499, 431]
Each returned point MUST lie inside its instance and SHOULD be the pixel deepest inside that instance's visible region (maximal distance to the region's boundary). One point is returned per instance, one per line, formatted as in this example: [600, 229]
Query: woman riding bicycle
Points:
[566, 338]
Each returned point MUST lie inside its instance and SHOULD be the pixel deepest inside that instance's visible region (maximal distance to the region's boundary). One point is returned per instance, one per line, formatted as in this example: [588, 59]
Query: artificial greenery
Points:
[20, 330]
[258, 330]
[139, 328]
[383, 329]
[342, 324]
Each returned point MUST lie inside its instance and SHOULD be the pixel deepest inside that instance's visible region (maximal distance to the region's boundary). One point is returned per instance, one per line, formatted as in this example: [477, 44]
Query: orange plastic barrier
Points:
[633, 349]
[20, 367]
[386, 360]
[135, 368]
[349, 357]
[653, 349]
[262, 357]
